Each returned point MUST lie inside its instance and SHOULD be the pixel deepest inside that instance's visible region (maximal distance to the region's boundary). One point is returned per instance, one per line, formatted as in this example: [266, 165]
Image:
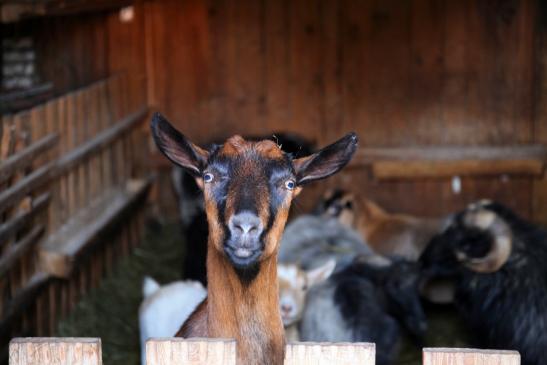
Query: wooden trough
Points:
[87, 351]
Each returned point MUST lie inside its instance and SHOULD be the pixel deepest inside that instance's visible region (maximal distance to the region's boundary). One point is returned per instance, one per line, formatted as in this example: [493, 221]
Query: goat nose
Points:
[286, 308]
[246, 224]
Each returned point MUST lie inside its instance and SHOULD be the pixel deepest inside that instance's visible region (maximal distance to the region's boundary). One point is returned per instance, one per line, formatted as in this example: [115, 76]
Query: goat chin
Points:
[165, 308]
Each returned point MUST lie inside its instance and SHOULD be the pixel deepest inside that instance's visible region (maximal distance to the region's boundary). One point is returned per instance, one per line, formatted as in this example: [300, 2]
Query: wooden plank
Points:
[15, 223]
[26, 185]
[22, 300]
[439, 169]
[309, 353]
[178, 351]
[59, 253]
[365, 156]
[102, 140]
[24, 158]
[445, 356]
[15, 251]
[55, 351]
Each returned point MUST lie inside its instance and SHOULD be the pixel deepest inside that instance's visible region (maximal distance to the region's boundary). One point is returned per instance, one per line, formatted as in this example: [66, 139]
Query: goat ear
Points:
[321, 273]
[177, 147]
[327, 161]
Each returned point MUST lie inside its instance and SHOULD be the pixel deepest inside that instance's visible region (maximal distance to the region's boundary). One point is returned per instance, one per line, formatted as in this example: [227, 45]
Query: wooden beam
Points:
[17, 222]
[22, 299]
[366, 156]
[442, 162]
[62, 249]
[444, 356]
[100, 141]
[309, 353]
[24, 158]
[19, 248]
[13, 11]
[55, 351]
[439, 169]
[200, 351]
[26, 185]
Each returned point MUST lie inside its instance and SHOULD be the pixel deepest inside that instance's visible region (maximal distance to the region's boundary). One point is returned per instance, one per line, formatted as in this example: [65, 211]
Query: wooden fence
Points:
[69, 173]
[87, 351]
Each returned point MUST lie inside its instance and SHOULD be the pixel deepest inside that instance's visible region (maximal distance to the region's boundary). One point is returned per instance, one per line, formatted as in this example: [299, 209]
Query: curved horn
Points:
[501, 247]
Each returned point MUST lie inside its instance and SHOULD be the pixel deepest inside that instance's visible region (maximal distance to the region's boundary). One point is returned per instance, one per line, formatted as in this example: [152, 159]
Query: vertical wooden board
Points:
[58, 351]
[426, 70]
[306, 353]
[376, 71]
[499, 57]
[331, 51]
[442, 356]
[276, 64]
[244, 66]
[305, 68]
[454, 93]
[190, 352]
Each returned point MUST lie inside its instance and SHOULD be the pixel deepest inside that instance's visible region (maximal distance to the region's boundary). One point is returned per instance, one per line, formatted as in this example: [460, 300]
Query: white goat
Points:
[165, 308]
[294, 284]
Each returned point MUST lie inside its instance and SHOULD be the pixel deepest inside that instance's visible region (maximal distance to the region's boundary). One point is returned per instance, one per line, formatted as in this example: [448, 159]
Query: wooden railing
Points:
[87, 351]
[70, 172]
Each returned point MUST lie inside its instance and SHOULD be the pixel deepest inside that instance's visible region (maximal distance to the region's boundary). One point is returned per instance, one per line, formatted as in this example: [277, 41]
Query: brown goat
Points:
[385, 233]
[248, 188]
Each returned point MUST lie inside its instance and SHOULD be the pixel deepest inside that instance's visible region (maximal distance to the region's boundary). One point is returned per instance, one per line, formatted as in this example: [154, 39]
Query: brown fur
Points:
[400, 234]
[387, 233]
[242, 268]
[248, 312]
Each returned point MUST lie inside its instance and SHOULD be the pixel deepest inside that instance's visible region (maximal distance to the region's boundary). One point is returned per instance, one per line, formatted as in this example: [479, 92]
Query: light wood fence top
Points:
[178, 351]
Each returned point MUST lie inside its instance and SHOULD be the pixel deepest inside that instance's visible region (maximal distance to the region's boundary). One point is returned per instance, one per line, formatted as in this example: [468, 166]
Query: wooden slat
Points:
[17, 222]
[59, 253]
[439, 169]
[19, 248]
[26, 185]
[55, 351]
[22, 299]
[446, 356]
[102, 140]
[310, 353]
[24, 158]
[179, 351]
[368, 155]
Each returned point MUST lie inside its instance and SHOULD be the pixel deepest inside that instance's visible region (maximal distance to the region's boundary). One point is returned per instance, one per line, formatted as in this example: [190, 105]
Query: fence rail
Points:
[61, 163]
[175, 351]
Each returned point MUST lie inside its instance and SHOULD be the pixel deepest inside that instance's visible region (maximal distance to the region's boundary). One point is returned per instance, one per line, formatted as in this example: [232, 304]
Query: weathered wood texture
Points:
[58, 351]
[308, 353]
[70, 189]
[401, 74]
[447, 356]
[177, 351]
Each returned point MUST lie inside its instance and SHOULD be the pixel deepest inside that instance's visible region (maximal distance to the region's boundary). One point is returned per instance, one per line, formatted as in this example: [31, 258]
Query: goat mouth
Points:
[242, 257]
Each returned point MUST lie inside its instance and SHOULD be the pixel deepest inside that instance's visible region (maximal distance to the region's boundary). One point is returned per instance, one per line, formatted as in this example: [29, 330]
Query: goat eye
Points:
[290, 184]
[208, 177]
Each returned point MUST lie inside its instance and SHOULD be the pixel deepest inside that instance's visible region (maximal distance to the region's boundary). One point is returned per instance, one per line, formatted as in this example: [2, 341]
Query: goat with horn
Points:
[248, 188]
[497, 263]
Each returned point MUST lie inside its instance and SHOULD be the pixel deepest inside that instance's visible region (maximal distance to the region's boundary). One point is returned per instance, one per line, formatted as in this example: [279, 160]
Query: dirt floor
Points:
[111, 311]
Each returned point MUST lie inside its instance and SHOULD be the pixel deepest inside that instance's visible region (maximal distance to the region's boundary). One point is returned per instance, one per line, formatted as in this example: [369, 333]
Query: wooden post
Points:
[310, 353]
[445, 356]
[58, 351]
[178, 351]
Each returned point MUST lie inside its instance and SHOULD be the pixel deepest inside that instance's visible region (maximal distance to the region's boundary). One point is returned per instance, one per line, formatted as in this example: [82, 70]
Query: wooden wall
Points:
[398, 72]
[76, 50]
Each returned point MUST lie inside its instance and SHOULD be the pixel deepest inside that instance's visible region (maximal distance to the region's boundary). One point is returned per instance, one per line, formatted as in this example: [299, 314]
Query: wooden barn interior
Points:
[448, 99]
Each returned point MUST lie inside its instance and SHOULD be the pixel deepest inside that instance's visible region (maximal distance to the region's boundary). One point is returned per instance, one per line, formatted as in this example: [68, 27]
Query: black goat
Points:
[192, 212]
[365, 302]
[498, 264]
